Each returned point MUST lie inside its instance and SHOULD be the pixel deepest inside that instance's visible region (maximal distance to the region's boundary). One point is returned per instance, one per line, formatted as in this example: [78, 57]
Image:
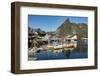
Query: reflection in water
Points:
[67, 54]
[80, 52]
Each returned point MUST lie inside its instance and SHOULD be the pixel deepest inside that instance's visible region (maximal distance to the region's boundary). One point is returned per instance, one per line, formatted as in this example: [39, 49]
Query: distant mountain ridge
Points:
[81, 29]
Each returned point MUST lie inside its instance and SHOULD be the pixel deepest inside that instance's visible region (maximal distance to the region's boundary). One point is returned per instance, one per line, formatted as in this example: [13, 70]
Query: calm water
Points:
[80, 52]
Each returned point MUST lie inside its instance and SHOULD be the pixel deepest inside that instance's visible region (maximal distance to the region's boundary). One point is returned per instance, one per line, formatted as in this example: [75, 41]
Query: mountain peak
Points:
[67, 21]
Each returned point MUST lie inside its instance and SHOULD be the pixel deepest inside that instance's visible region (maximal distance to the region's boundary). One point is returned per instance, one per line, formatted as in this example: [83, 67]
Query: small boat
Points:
[57, 47]
[68, 46]
[50, 46]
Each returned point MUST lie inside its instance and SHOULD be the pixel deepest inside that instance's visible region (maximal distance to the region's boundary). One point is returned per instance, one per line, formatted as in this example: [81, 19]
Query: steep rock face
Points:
[72, 28]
